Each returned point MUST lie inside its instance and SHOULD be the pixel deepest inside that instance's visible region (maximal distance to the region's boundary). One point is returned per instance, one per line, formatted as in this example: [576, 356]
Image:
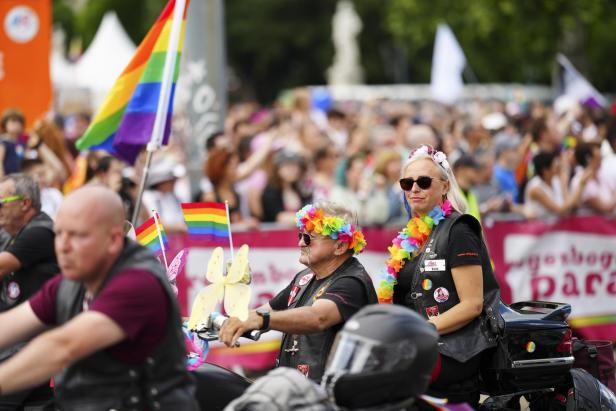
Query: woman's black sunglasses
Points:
[424, 182]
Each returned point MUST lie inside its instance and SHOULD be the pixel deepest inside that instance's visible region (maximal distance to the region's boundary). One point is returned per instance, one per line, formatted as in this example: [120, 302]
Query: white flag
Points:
[448, 62]
[575, 85]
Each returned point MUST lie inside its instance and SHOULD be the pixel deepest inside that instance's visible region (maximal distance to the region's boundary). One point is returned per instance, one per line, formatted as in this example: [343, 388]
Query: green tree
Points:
[510, 40]
[278, 44]
[273, 44]
[136, 16]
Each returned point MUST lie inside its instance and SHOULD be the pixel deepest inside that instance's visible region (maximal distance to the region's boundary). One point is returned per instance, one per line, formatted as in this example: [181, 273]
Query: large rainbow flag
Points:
[206, 221]
[147, 235]
[124, 123]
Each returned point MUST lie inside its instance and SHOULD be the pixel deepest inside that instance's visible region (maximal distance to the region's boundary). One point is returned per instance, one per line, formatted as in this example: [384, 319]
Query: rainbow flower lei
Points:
[406, 246]
[311, 218]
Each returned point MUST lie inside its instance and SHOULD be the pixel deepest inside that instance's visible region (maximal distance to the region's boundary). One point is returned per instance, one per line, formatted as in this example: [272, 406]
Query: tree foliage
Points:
[277, 44]
[510, 40]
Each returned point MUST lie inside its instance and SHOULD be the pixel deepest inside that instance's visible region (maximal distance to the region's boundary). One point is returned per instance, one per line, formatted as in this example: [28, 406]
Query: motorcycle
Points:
[533, 360]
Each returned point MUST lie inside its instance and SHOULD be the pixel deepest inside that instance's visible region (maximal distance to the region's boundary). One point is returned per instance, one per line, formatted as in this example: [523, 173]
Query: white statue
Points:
[346, 26]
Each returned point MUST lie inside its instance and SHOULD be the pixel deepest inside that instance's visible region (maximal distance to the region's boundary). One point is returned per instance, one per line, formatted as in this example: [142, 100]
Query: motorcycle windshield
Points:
[353, 354]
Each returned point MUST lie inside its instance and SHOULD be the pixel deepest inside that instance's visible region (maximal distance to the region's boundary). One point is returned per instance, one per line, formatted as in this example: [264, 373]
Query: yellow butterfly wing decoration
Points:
[237, 290]
[237, 298]
[206, 301]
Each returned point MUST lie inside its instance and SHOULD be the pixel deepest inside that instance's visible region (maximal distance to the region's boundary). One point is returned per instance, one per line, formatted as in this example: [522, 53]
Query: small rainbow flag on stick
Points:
[206, 221]
[149, 236]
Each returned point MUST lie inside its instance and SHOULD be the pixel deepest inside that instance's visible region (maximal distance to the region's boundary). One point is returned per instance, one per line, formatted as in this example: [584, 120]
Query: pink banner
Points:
[570, 260]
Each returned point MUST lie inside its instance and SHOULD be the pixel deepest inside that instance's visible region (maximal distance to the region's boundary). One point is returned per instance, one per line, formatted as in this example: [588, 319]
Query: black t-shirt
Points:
[34, 248]
[347, 293]
[464, 249]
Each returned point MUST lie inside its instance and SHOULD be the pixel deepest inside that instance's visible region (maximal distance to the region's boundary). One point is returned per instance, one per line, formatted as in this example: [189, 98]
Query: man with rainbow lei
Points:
[314, 306]
[439, 266]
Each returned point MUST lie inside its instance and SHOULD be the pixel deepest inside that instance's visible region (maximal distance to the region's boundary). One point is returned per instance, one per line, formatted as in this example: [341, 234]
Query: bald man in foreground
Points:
[108, 327]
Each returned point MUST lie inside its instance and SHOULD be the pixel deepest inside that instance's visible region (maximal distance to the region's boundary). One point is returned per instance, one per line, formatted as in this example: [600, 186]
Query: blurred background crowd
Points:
[531, 159]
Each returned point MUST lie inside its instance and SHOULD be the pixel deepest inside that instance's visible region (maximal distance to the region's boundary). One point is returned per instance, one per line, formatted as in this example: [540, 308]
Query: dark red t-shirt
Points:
[133, 299]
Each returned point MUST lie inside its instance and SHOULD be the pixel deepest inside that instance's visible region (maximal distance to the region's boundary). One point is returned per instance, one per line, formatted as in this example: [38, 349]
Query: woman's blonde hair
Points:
[440, 159]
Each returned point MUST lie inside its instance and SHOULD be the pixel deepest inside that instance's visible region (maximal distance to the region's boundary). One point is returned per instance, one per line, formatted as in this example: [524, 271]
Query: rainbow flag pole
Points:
[160, 238]
[229, 228]
[160, 122]
[151, 234]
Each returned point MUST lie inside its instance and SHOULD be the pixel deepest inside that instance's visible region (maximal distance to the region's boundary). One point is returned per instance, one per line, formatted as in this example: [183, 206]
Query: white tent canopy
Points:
[102, 63]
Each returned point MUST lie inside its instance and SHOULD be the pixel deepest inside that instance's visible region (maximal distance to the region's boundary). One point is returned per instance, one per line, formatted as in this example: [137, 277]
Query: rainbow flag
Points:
[206, 221]
[124, 123]
[147, 236]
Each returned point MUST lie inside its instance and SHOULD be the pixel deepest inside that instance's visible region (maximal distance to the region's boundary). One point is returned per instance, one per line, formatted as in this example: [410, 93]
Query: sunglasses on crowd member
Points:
[423, 182]
[10, 199]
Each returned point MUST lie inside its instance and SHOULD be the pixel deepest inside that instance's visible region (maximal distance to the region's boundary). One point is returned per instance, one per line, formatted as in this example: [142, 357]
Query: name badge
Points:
[434, 265]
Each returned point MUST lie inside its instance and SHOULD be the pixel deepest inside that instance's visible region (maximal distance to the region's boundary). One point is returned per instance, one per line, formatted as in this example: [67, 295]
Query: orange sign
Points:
[25, 41]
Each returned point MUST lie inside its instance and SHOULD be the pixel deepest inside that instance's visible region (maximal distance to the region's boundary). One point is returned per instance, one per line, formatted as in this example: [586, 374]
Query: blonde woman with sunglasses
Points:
[439, 266]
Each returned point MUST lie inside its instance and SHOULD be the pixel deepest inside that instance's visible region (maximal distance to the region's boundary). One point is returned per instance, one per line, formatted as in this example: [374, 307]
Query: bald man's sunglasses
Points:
[10, 199]
[423, 182]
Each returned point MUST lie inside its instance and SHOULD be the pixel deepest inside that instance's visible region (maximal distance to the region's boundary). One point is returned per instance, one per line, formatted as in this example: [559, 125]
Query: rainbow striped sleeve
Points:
[124, 123]
[206, 221]
[147, 235]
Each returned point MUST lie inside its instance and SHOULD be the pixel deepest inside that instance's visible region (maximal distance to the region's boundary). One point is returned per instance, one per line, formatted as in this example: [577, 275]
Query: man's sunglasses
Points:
[307, 238]
[10, 199]
[423, 182]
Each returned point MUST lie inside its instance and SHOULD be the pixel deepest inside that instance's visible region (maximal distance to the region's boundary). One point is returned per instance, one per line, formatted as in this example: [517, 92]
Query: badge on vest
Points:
[13, 290]
[426, 284]
[305, 279]
[441, 295]
[292, 294]
[434, 265]
[432, 311]
[304, 369]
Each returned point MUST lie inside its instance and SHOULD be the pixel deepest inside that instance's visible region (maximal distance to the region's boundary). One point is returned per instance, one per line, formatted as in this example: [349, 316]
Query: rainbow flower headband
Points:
[311, 218]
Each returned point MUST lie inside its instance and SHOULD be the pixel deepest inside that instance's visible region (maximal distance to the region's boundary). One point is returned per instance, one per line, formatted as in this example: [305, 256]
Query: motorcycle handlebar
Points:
[252, 335]
[209, 330]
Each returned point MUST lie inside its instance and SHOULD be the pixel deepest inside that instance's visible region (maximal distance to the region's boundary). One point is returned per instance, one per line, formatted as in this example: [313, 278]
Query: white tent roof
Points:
[108, 54]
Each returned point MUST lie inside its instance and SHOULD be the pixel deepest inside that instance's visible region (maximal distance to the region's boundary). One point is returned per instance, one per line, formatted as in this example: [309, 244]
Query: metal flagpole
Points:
[160, 238]
[229, 228]
[160, 121]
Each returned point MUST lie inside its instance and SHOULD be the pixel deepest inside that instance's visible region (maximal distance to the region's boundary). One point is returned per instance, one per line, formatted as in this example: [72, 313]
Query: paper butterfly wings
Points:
[176, 267]
[231, 288]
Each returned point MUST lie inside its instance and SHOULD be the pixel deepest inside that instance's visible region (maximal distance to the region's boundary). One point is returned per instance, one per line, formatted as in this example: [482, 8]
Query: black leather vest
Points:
[308, 353]
[433, 292]
[100, 382]
[17, 287]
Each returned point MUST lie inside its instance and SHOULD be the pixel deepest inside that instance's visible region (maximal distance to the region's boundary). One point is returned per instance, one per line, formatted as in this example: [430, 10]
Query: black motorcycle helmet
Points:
[383, 354]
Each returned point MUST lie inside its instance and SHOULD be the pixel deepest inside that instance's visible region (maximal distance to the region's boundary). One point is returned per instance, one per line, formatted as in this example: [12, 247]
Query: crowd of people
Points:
[530, 158]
